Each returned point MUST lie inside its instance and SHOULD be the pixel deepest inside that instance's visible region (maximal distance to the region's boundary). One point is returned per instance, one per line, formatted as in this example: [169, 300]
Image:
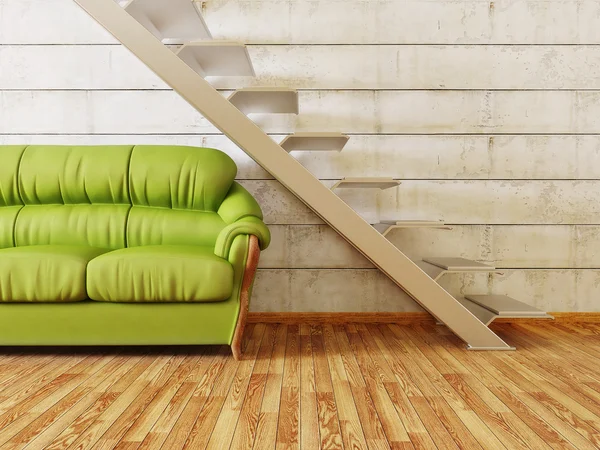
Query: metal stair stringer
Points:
[295, 177]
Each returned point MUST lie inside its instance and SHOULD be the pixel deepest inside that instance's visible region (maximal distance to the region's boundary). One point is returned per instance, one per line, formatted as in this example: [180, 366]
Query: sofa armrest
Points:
[238, 204]
[247, 225]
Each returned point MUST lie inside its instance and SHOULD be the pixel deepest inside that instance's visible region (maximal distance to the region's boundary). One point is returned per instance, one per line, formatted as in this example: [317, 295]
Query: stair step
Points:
[214, 58]
[407, 223]
[484, 315]
[459, 264]
[265, 100]
[434, 272]
[385, 226]
[504, 306]
[173, 21]
[366, 183]
[325, 142]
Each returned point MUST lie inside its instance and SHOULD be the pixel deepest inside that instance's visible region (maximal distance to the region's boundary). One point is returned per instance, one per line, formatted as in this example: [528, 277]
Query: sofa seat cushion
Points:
[45, 273]
[160, 273]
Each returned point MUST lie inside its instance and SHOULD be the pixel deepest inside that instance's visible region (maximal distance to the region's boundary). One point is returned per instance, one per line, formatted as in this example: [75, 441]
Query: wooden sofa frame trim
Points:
[246, 290]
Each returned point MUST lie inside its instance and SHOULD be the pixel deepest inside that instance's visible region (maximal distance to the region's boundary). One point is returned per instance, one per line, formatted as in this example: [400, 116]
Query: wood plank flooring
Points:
[347, 386]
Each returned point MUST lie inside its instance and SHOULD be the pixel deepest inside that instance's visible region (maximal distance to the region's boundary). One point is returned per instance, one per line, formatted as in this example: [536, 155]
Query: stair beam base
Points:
[469, 347]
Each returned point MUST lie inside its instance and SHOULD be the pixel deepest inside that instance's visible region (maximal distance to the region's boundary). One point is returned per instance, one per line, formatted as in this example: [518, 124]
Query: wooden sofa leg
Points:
[250, 272]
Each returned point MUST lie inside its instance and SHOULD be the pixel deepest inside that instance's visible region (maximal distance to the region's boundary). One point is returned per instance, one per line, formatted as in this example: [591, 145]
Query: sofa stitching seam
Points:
[126, 229]
[14, 233]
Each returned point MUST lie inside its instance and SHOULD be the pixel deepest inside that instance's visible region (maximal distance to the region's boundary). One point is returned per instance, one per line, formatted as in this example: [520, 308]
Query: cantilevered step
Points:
[484, 315]
[505, 306]
[407, 223]
[265, 100]
[172, 21]
[385, 226]
[459, 264]
[488, 308]
[436, 267]
[366, 183]
[314, 142]
[214, 58]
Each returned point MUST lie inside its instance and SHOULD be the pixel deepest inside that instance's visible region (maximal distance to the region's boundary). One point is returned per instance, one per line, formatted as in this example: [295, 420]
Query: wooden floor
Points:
[312, 386]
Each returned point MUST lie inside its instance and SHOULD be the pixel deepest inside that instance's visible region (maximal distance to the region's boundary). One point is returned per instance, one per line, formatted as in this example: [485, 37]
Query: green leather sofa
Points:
[125, 245]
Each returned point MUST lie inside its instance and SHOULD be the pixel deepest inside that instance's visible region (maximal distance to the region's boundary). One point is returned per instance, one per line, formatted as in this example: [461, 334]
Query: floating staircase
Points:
[487, 308]
[171, 21]
[366, 183]
[145, 27]
[385, 226]
[436, 267]
[314, 142]
[265, 100]
[214, 58]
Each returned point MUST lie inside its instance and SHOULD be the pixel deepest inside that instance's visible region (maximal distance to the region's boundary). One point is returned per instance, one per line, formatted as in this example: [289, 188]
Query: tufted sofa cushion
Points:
[160, 273]
[73, 196]
[45, 273]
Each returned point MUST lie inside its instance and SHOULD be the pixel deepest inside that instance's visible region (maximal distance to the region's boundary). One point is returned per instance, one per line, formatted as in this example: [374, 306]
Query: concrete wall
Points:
[489, 112]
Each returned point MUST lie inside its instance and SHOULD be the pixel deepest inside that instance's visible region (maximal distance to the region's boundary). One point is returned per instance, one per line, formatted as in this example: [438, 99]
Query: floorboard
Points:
[311, 385]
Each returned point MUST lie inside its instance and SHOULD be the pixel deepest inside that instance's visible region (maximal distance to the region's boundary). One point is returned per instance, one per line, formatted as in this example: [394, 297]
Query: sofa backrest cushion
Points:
[159, 226]
[74, 196]
[97, 225]
[176, 195]
[61, 175]
[112, 196]
[180, 178]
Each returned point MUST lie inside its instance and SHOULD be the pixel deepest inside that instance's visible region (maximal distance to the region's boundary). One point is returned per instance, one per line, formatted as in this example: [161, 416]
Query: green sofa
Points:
[125, 245]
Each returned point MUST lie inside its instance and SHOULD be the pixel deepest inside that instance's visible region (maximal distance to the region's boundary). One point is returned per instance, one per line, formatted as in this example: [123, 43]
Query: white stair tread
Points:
[214, 58]
[367, 183]
[434, 272]
[386, 226]
[504, 306]
[484, 315]
[407, 223]
[326, 142]
[459, 264]
[265, 100]
[173, 20]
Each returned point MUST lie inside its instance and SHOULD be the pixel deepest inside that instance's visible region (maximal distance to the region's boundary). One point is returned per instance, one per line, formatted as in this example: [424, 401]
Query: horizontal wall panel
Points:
[312, 67]
[279, 206]
[310, 247]
[405, 22]
[361, 112]
[49, 22]
[415, 157]
[548, 290]
[75, 67]
[494, 202]
[335, 21]
[422, 67]
[327, 291]
[458, 202]
[512, 246]
[339, 290]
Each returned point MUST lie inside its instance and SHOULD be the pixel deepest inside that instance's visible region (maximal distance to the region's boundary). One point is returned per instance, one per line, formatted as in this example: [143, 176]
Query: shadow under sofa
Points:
[125, 245]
